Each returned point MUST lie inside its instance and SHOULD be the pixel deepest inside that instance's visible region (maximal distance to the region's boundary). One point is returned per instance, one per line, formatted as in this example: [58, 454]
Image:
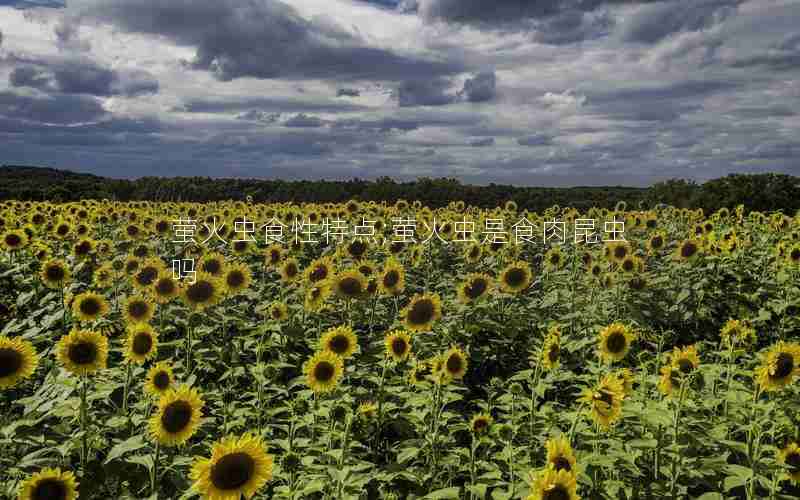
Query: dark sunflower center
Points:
[391, 278]
[54, 273]
[553, 353]
[627, 265]
[783, 365]
[10, 362]
[62, 230]
[212, 266]
[83, 248]
[319, 273]
[793, 461]
[656, 242]
[176, 416]
[476, 288]
[13, 240]
[90, 306]
[49, 489]
[291, 270]
[132, 230]
[620, 252]
[396, 247]
[233, 471]
[473, 252]
[142, 343]
[480, 425]
[605, 396]
[515, 277]
[561, 463]
[235, 279]
[200, 291]
[339, 344]
[161, 226]
[274, 257]
[147, 275]
[557, 492]
[685, 365]
[688, 250]
[357, 248]
[4, 309]
[421, 312]
[240, 246]
[276, 313]
[350, 286]
[795, 255]
[161, 380]
[616, 342]
[82, 353]
[324, 371]
[399, 346]
[454, 364]
[137, 309]
[165, 286]
[555, 259]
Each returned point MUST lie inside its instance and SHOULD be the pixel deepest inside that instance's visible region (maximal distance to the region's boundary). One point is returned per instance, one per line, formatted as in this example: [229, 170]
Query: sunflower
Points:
[54, 273]
[141, 344]
[398, 345]
[316, 295]
[138, 309]
[560, 455]
[551, 351]
[670, 379]
[618, 250]
[685, 360]
[551, 484]
[278, 311]
[49, 484]
[83, 248]
[159, 379]
[419, 373]
[147, 272]
[656, 242]
[480, 423]
[554, 259]
[212, 263]
[350, 284]
[736, 332]
[14, 240]
[516, 277]
[423, 310]
[367, 410]
[475, 286]
[614, 342]
[165, 287]
[454, 363]
[62, 229]
[605, 400]
[204, 292]
[323, 371]
[473, 253]
[688, 250]
[177, 417]
[89, 306]
[289, 270]
[83, 352]
[625, 375]
[319, 270]
[789, 456]
[238, 467]
[340, 341]
[273, 255]
[392, 279]
[779, 367]
[18, 361]
[237, 278]
[103, 275]
[793, 255]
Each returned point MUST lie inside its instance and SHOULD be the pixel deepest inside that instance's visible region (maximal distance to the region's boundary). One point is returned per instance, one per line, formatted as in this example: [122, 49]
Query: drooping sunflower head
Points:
[160, 379]
[238, 467]
[614, 342]
[138, 309]
[177, 417]
[793, 255]
[474, 287]
[203, 293]
[392, 278]
[421, 312]
[670, 380]
[789, 457]
[560, 455]
[89, 306]
[779, 367]
[398, 345]
[480, 423]
[316, 295]
[350, 284]
[516, 277]
[473, 253]
[54, 273]
[49, 484]
[551, 351]
[454, 364]
[551, 484]
[605, 400]
[340, 341]
[18, 361]
[323, 371]
[236, 278]
[625, 375]
[165, 287]
[83, 352]
[736, 332]
[419, 373]
[141, 343]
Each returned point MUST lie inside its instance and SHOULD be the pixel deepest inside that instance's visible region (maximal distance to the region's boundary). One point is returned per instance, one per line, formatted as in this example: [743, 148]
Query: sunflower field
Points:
[235, 350]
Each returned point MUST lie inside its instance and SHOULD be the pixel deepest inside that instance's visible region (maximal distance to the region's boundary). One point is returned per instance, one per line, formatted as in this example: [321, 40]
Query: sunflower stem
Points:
[154, 471]
[83, 412]
[676, 459]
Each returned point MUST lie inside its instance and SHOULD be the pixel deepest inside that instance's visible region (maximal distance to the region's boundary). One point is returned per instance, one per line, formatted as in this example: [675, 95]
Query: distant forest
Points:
[764, 192]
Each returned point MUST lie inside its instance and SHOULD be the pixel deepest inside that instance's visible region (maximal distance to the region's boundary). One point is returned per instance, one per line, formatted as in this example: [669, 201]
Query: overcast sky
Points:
[544, 92]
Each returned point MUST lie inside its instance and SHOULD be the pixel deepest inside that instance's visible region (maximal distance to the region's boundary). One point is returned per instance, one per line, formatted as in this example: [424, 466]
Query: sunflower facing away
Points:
[423, 310]
[141, 343]
[340, 341]
[18, 361]
[735, 332]
[475, 286]
[614, 342]
[89, 306]
[398, 345]
[49, 484]
[551, 484]
[560, 455]
[238, 467]
[83, 352]
[159, 379]
[789, 457]
[516, 277]
[323, 371]
[605, 400]
[780, 365]
[177, 417]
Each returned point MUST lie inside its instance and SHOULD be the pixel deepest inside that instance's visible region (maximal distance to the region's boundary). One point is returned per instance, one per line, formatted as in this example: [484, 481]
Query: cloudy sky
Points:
[533, 92]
